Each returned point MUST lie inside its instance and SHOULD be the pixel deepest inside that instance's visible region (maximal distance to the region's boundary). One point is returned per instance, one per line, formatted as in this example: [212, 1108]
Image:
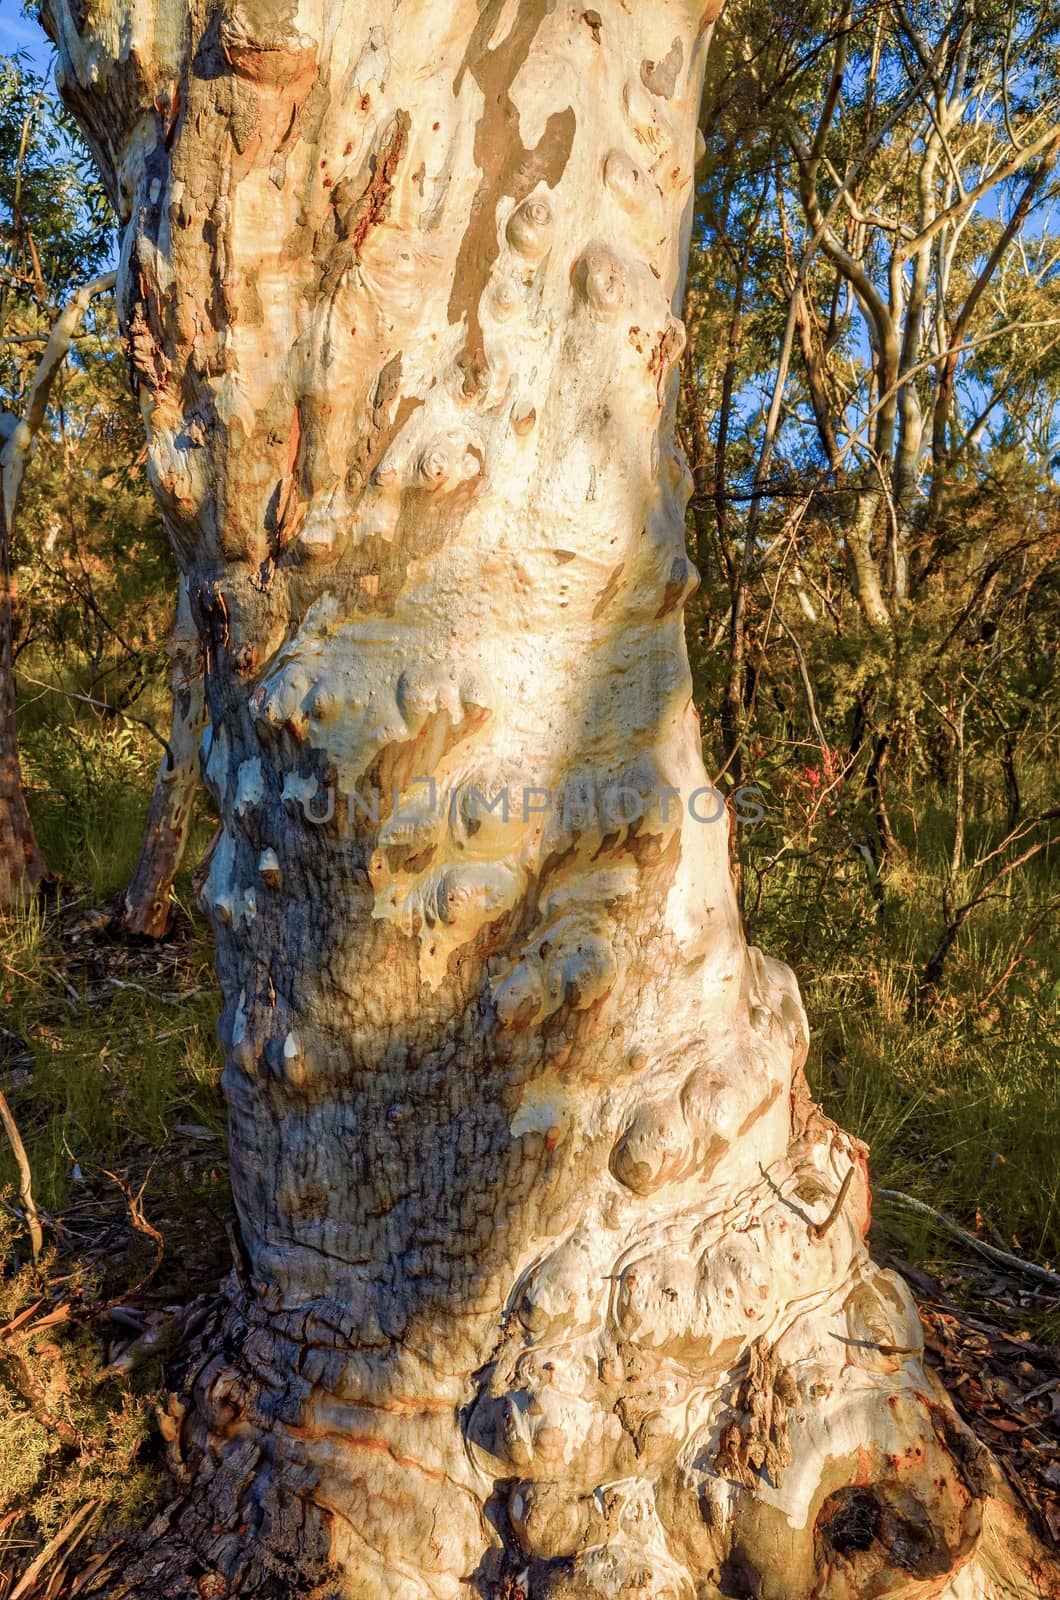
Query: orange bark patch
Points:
[507, 166]
[291, 70]
[374, 204]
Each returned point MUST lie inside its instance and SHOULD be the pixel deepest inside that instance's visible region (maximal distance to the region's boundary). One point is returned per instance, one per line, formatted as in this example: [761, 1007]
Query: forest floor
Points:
[109, 1059]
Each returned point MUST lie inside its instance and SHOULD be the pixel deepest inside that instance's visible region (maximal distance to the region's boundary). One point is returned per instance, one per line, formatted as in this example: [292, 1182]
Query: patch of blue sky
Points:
[20, 31]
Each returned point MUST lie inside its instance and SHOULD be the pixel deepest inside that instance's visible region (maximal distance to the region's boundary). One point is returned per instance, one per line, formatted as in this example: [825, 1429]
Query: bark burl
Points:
[553, 1279]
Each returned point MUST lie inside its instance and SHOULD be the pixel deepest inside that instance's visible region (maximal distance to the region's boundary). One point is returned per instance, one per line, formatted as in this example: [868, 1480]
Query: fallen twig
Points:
[78, 1521]
[134, 1202]
[1030, 1269]
[51, 1319]
[25, 1178]
[819, 1229]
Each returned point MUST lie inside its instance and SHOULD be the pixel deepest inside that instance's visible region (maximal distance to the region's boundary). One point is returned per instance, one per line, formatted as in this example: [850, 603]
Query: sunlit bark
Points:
[552, 1277]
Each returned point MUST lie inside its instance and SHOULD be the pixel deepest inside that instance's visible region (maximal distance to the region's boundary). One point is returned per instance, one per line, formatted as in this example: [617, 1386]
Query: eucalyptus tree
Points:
[552, 1278]
[933, 148]
[875, 316]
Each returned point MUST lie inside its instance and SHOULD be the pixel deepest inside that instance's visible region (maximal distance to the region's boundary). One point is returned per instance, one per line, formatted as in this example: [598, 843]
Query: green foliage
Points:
[904, 864]
[881, 174]
[110, 1066]
[69, 1433]
[56, 226]
[854, 877]
[89, 778]
[95, 579]
[117, 1056]
[958, 1100]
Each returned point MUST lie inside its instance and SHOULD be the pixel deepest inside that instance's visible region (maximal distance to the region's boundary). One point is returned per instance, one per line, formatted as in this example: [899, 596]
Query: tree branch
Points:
[16, 450]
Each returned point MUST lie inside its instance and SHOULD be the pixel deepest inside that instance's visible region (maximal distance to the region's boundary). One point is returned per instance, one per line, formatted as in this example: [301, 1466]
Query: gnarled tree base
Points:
[690, 1397]
[247, 1520]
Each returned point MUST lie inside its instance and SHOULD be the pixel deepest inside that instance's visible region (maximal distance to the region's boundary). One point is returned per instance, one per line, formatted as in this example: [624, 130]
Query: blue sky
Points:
[20, 32]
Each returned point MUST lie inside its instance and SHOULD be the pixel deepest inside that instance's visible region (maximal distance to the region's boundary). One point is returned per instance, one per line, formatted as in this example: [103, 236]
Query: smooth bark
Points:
[552, 1279]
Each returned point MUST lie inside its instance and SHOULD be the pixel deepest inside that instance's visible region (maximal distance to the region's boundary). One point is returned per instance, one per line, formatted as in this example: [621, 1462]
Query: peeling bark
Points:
[148, 905]
[552, 1278]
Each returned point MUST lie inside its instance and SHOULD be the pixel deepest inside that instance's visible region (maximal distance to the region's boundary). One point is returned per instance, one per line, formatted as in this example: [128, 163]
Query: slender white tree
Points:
[553, 1279]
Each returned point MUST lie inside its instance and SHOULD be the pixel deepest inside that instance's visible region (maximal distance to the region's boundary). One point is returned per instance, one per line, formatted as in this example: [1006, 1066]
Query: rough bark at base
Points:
[553, 1278]
[148, 905]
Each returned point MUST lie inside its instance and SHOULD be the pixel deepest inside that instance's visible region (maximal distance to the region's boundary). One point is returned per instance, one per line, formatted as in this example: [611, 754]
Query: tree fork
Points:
[552, 1277]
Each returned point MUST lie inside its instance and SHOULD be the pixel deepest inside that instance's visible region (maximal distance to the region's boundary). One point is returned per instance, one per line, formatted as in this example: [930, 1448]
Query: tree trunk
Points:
[552, 1277]
[148, 900]
[864, 573]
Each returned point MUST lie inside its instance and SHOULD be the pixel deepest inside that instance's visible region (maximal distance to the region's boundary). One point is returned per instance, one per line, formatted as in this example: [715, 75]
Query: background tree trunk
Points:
[148, 901]
[552, 1276]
